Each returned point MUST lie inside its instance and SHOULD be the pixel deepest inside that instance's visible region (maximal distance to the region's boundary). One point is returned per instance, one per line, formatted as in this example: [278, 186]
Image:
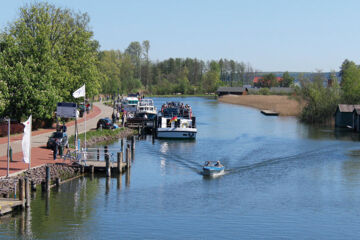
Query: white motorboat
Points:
[146, 107]
[176, 121]
[213, 169]
[130, 104]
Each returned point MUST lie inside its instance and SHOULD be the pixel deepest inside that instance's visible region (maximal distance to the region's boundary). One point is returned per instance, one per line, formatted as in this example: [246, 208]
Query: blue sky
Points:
[272, 35]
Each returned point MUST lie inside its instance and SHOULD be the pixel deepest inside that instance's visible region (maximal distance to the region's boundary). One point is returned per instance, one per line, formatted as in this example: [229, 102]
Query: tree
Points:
[287, 80]
[146, 48]
[211, 79]
[46, 54]
[268, 80]
[350, 83]
[110, 64]
[134, 50]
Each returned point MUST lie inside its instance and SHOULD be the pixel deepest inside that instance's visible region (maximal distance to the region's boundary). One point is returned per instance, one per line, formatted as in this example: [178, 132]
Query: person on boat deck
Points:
[218, 164]
[207, 163]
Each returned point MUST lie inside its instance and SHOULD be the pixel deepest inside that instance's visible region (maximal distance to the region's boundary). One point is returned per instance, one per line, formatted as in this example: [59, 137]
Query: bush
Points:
[264, 91]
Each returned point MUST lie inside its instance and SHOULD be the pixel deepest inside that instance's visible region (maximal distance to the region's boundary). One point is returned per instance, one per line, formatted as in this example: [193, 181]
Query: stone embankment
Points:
[37, 175]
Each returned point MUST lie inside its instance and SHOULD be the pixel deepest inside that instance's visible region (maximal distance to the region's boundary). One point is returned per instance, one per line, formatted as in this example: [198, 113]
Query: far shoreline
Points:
[284, 105]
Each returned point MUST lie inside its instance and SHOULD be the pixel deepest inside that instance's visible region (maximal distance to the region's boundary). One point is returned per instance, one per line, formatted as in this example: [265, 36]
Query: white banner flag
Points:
[80, 92]
[26, 141]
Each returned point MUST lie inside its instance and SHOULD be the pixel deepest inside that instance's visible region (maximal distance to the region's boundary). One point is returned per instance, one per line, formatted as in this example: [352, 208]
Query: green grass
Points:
[109, 134]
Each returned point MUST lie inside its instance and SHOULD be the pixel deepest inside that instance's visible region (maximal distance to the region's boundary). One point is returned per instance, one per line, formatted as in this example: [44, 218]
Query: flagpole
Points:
[30, 141]
[85, 119]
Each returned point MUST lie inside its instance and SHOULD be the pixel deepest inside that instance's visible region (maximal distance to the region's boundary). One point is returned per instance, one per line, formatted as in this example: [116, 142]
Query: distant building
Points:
[344, 115]
[231, 90]
[356, 119]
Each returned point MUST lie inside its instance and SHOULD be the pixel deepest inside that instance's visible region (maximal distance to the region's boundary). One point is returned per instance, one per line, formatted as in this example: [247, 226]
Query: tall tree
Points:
[146, 48]
[350, 83]
[47, 53]
[134, 50]
[287, 80]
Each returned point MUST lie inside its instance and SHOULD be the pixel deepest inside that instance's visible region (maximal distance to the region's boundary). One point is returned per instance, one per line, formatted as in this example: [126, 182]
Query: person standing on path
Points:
[55, 150]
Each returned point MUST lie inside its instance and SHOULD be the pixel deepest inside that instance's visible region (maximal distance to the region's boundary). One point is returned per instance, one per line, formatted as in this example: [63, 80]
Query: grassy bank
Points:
[284, 105]
[102, 136]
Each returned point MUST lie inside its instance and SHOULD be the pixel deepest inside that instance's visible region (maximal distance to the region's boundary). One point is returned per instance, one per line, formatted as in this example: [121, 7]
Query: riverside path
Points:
[39, 153]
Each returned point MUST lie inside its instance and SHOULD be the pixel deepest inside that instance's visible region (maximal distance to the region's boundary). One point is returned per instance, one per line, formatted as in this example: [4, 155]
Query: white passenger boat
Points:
[146, 107]
[176, 121]
[130, 104]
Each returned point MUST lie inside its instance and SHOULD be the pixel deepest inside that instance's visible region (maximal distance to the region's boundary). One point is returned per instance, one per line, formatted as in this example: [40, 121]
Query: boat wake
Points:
[277, 160]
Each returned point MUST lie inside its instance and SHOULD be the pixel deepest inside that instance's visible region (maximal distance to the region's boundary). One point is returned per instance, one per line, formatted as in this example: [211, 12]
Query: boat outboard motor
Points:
[193, 120]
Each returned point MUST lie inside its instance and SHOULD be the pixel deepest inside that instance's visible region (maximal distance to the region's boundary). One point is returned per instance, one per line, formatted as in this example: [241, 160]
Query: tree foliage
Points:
[350, 83]
[46, 54]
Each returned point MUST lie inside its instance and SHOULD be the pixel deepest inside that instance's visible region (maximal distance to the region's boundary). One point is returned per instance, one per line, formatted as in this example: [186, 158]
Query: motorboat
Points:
[129, 105]
[146, 108]
[213, 168]
[176, 121]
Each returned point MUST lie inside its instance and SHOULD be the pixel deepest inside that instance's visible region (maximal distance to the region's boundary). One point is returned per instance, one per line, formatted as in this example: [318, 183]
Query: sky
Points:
[271, 35]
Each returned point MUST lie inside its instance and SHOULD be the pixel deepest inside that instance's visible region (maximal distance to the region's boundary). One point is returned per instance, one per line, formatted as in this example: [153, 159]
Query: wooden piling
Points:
[119, 162]
[33, 186]
[21, 190]
[47, 179]
[58, 182]
[128, 159]
[27, 192]
[92, 169]
[107, 161]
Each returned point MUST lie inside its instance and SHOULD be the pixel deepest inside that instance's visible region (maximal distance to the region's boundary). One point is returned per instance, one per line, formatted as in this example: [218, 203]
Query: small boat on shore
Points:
[213, 169]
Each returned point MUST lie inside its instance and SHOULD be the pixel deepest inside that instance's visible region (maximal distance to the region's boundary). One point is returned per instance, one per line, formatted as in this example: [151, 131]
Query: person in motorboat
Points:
[207, 164]
[218, 164]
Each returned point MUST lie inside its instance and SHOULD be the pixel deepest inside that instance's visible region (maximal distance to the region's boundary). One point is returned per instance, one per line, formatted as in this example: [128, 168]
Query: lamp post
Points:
[8, 148]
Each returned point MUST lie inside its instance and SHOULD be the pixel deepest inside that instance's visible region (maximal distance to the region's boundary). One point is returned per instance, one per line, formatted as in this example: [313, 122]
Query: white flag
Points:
[27, 140]
[80, 92]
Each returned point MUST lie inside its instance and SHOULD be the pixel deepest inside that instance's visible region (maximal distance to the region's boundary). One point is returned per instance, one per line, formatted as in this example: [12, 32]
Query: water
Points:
[283, 180]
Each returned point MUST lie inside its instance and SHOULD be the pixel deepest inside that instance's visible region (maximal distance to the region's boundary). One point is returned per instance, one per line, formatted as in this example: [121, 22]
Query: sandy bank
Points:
[284, 105]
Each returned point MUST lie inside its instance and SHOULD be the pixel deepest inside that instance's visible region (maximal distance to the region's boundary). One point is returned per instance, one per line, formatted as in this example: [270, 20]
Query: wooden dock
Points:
[100, 166]
[269, 112]
[9, 204]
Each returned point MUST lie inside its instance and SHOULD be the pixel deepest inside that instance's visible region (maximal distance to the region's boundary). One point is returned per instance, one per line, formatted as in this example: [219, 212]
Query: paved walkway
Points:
[39, 154]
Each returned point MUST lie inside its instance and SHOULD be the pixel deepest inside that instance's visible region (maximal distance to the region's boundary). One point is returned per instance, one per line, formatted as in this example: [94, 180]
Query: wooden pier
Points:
[269, 112]
[7, 205]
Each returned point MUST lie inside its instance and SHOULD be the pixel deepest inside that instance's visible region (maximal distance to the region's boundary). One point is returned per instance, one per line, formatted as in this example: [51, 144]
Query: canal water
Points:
[283, 180]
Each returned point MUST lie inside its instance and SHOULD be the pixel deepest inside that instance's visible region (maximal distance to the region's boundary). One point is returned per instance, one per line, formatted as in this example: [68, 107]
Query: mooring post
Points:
[27, 193]
[47, 179]
[133, 143]
[119, 162]
[128, 158]
[122, 144]
[33, 186]
[107, 161]
[57, 182]
[92, 169]
[98, 154]
[21, 191]
[118, 185]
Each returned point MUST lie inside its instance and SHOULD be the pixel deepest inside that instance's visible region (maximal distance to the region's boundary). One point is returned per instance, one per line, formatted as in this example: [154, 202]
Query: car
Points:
[63, 138]
[105, 123]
